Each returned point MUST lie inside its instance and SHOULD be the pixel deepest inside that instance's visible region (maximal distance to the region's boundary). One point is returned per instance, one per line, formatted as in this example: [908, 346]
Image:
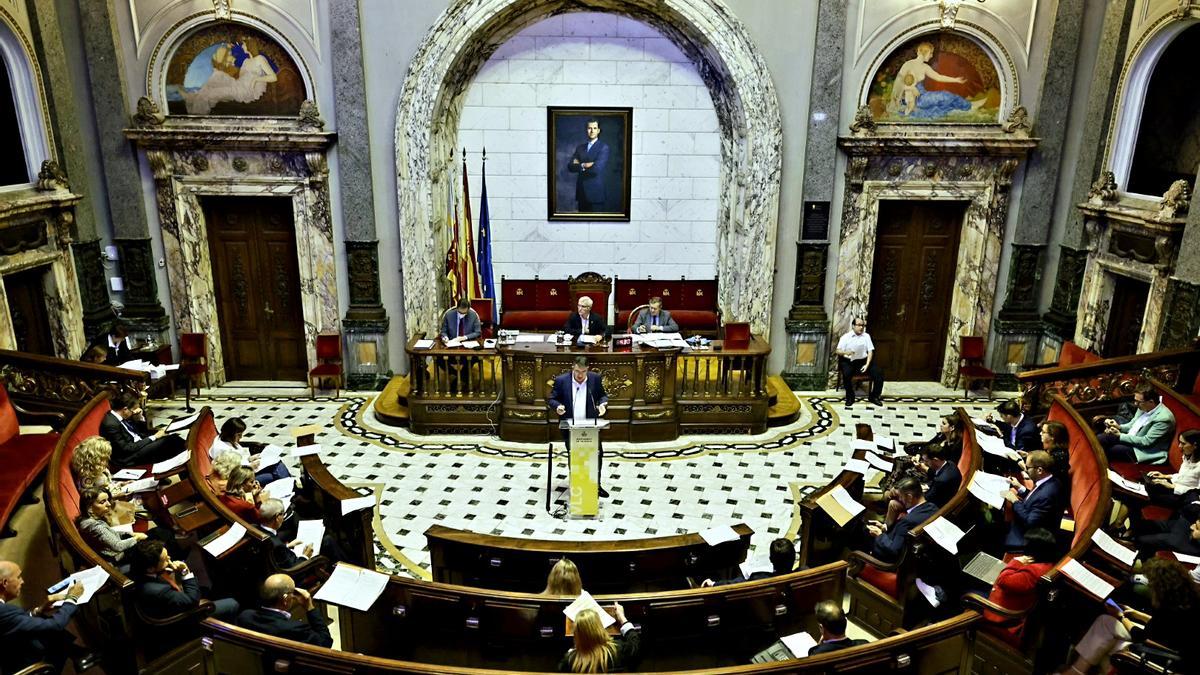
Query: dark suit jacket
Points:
[574, 325]
[943, 484]
[115, 356]
[123, 445]
[280, 553]
[158, 600]
[1028, 436]
[24, 639]
[887, 546]
[1043, 507]
[589, 183]
[314, 631]
[564, 389]
[834, 646]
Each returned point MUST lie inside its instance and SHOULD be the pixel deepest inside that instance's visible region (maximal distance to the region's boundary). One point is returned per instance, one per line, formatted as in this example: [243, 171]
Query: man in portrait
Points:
[589, 163]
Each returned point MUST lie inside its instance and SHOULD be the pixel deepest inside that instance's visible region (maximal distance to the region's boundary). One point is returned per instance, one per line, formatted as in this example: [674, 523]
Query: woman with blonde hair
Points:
[564, 579]
[89, 464]
[222, 466]
[595, 651]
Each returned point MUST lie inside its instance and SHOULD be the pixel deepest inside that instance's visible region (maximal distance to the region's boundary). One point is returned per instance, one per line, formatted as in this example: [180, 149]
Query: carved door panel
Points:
[257, 281]
[912, 281]
[26, 295]
[1124, 327]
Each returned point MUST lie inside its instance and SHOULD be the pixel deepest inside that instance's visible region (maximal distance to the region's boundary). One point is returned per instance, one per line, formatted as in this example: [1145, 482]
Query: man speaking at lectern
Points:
[579, 396]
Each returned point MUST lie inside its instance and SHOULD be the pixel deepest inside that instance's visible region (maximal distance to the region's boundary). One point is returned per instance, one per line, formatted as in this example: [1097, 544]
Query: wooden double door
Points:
[26, 295]
[252, 242]
[912, 281]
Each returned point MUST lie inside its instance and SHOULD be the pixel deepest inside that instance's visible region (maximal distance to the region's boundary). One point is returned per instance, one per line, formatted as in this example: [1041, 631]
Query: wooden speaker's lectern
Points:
[584, 467]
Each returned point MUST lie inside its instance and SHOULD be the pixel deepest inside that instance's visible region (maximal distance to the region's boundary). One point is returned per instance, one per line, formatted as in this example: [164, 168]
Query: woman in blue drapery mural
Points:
[910, 97]
[942, 77]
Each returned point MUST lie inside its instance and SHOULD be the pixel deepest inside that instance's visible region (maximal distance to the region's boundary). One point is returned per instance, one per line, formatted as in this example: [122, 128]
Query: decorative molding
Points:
[1181, 315]
[1175, 200]
[1024, 277]
[93, 291]
[51, 177]
[1104, 190]
[362, 267]
[1068, 282]
[808, 296]
[1018, 121]
[864, 121]
[148, 114]
[310, 116]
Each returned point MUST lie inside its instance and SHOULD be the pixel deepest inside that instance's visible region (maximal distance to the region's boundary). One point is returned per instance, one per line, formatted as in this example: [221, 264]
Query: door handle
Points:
[900, 314]
[267, 309]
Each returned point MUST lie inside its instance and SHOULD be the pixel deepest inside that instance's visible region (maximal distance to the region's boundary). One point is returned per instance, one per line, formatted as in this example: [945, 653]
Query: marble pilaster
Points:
[737, 79]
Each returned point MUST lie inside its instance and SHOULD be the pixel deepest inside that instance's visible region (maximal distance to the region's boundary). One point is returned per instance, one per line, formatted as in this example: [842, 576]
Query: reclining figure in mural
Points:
[910, 98]
[237, 75]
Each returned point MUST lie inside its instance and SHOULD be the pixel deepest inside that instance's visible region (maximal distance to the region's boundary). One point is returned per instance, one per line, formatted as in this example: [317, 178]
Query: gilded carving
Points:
[864, 121]
[51, 177]
[517, 414]
[524, 382]
[654, 382]
[1104, 190]
[1097, 388]
[1175, 200]
[647, 415]
[310, 116]
[929, 282]
[1018, 120]
[148, 114]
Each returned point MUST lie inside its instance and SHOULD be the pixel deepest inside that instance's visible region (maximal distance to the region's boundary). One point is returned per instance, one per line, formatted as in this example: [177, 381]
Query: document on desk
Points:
[860, 444]
[945, 533]
[989, 488]
[358, 503]
[305, 450]
[1088, 579]
[471, 344]
[839, 505]
[1187, 559]
[171, 464]
[141, 485]
[352, 587]
[129, 474]
[886, 442]
[878, 462]
[799, 644]
[718, 535]
[270, 456]
[182, 423]
[1113, 547]
[454, 342]
[1129, 485]
[756, 564]
[223, 543]
[309, 533]
[281, 489]
[859, 466]
[995, 446]
[586, 601]
[92, 578]
[423, 344]
[531, 337]
[985, 567]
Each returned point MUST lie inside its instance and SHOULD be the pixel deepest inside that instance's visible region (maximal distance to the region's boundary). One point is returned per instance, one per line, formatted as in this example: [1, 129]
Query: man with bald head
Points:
[280, 597]
[40, 635]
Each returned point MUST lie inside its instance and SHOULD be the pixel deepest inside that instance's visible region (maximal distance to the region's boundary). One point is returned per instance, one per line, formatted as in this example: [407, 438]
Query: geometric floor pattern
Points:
[483, 484]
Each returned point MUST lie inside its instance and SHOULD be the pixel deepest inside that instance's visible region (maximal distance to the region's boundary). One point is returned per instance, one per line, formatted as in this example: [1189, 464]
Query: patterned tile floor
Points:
[487, 485]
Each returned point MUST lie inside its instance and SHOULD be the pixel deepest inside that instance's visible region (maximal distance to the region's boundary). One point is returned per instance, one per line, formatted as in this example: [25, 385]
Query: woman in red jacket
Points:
[1016, 587]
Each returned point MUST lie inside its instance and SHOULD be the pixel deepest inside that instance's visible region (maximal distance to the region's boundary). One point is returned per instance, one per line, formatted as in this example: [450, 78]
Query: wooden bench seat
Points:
[23, 457]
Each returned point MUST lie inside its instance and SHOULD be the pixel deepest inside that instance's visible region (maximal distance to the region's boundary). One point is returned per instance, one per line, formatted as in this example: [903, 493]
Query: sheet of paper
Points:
[1187, 559]
[129, 474]
[92, 578]
[718, 535]
[1086, 578]
[357, 503]
[860, 444]
[226, 541]
[135, 364]
[305, 450]
[929, 592]
[886, 442]
[284, 487]
[798, 644]
[1127, 484]
[531, 337]
[182, 423]
[586, 601]
[472, 344]
[171, 464]
[995, 446]
[453, 342]
[989, 488]
[857, 466]
[170, 366]
[839, 505]
[423, 344]
[270, 456]
[878, 462]
[141, 485]
[123, 527]
[945, 533]
[985, 567]
[352, 587]
[1113, 547]
[309, 532]
[756, 564]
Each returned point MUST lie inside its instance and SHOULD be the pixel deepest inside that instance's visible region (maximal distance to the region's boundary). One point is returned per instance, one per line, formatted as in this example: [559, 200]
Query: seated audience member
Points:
[1040, 506]
[243, 495]
[1146, 438]
[272, 513]
[563, 579]
[856, 355]
[1018, 431]
[134, 443]
[115, 344]
[949, 435]
[1174, 490]
[1056, 440]
[887, 540]
[1016, 587]
[222, 468]
[163, 587]
[89, 465]
[783, 560]
[833, 629]
[95, 524]
[95, 354]
[655, 319]
[944, 476]
[230, 440]
[584, 321]
[279, 597]
[1180, 534]
[1174, 606]
[38, 635]
[595, 651]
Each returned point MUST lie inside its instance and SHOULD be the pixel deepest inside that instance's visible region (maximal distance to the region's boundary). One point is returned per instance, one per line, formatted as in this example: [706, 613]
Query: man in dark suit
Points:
[279, 597]
[584, 321]
[116, 345]
[40, 635]
[783, 561]
[887, 540]
[134, 443]
[1040, 507]
[579, 395]
[1018, 431]
[589, 163]
[833, 629]
[163, 587]
[944, 476]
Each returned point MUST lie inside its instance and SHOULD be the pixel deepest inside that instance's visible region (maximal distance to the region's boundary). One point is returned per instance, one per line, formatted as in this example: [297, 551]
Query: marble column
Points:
[1060, 320]
[807, 324]
[1181, 306]
[1018, 324]
[366, 321]
[122, 175]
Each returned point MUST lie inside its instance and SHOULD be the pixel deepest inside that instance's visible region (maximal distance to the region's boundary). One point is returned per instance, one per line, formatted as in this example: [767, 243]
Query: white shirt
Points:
[220, 447]
[128, 427]
[579, 397]
[1188, 477]
[584, 321]
[859, 344]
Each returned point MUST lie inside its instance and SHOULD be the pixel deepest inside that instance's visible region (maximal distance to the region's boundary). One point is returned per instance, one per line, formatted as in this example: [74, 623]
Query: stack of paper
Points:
[309, 533]
[989, 488]
[471, 344]
[995, 446]
[945, 533]
[217, 547]
[1127, 484]
[586, 601]
[352, 587]
[531, 337]
[140, 485]
[171, 464]
[799, 644]
[92, 578]
[839, 505]
[1088, 579]
[1113, 547]
[423, 344]
[182, 423]
[718, 535]
[129, 474]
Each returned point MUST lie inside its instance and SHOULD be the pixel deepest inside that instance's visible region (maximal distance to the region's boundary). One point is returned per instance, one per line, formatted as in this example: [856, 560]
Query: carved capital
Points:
[1165, 249]
[1104, 190]
[221, 9]
[1175, 200]
[148, 114]
[310, 116]
[63, 222]
[1018, 121]
[318, 166]
[856, 172]
[1092, 228]
[51, 177]
[161, 163]
[863, 122]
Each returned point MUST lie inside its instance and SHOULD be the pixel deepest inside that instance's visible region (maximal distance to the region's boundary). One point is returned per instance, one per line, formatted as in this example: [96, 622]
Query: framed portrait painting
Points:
[588, 153]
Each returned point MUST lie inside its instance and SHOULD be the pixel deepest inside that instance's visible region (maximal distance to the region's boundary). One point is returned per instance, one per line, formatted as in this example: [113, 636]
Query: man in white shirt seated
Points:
[856, 354]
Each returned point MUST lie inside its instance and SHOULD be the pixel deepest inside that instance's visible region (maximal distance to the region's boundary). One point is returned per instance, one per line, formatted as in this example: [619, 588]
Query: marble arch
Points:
[717, 43]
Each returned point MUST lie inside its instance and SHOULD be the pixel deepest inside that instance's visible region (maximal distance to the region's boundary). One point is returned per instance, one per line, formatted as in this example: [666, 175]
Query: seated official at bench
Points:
[595, 651]
[887, 540]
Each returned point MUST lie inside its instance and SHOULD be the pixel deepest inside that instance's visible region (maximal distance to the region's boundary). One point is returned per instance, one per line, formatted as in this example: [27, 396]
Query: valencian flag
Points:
[470, 273]
[452, 265]
[487, 283]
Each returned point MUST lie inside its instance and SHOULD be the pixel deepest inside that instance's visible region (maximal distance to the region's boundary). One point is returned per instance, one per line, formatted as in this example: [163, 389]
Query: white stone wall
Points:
[584, 59]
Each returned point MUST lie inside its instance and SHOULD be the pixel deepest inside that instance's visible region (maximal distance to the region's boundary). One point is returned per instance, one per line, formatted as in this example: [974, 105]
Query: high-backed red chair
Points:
[22, 457]
[484, 307]
[193, 356]
[595, 286]
[971, 350]
[329, 363]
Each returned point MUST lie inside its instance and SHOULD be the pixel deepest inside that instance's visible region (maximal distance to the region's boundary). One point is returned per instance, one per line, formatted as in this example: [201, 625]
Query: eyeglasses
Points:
[860, 325]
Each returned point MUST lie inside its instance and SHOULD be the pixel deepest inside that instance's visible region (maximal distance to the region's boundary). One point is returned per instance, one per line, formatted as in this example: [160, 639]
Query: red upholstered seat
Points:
[692, 304]
[534, 319]
[326, 369]
[1128, 470]
[88, 427]
[329, 363]
[690, 320]
[884, 581]
[206, 433]
[22, 458]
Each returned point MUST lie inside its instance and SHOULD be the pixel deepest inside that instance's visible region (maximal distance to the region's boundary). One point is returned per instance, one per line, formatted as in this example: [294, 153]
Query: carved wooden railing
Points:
[1109, 379]
[60, 385]
[454, 373]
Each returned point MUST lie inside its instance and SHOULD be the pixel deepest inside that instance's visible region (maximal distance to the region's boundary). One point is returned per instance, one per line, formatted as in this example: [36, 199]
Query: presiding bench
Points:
[692, 303]
[544, 304]
[518, 564]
